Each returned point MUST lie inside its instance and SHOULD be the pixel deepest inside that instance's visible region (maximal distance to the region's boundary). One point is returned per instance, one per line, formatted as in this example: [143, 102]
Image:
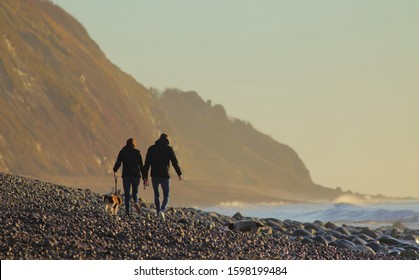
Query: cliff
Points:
[66, 110]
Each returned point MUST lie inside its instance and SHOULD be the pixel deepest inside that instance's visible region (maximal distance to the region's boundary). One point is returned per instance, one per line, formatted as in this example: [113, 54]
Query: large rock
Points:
[331, 225]
[364, 248]
[378, 248]
[343, 231]
[389, 240]
[321, 240]
[410, 254]
[359, 241]
[275, 224]
[371, 233]
[245, 225]
[302, 232]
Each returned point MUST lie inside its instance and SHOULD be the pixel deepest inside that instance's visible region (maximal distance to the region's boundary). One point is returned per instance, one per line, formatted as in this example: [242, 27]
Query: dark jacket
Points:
[159, 157]
[132, 162]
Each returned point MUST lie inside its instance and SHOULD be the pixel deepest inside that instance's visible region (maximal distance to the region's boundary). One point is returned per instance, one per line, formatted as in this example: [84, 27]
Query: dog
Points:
[112, 203]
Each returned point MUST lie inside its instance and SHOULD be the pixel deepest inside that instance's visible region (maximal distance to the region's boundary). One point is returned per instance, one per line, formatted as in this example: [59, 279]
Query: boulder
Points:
[331, 226]
[238, 216]
[370, 233]
[358, 241]
[302, 232]
[245, 225]
[364, 248]
[410, 254]
[389, 240]
[378, 248]
[321, 240]
[343, 231]
[311, 227]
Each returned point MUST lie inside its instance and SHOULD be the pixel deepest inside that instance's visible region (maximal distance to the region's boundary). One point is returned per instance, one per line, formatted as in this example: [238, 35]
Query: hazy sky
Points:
[338, 81]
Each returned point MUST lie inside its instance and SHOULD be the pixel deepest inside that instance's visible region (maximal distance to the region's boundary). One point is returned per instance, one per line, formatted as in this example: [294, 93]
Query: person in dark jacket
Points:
[158, 158]
[132, 168]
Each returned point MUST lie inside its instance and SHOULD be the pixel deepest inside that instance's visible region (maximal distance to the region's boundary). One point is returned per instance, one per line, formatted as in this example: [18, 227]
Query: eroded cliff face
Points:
[66, 110]
[230, 150]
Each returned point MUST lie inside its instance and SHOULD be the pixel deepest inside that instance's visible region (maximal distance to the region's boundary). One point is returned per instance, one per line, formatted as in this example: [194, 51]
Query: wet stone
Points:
[302, 232]
[369, 233]
[331, 226]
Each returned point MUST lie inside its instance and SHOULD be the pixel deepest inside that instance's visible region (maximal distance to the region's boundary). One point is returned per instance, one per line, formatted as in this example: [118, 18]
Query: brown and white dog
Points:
[112, 203]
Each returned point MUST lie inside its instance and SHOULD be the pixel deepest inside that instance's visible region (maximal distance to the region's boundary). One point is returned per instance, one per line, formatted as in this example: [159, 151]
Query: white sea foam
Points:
[239, 204]
[373, 215]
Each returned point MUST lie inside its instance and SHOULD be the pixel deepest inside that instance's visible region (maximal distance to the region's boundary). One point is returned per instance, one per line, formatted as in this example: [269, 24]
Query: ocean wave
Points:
[382, 213]
[243, 205]
[349, 212]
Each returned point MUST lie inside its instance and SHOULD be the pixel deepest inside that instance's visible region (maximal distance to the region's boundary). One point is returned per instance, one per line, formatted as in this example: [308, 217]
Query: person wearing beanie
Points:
[159, 156]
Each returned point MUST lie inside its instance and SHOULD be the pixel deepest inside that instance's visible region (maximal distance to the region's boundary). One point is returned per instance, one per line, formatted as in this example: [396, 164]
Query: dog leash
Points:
[116, 182]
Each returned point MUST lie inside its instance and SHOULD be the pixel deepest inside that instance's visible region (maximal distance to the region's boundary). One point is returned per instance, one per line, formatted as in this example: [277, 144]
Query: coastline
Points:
[403, 214]
[203, 194]
[41, 220]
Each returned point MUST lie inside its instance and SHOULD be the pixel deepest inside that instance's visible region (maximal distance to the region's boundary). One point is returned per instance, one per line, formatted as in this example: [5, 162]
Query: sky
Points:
[337, 81]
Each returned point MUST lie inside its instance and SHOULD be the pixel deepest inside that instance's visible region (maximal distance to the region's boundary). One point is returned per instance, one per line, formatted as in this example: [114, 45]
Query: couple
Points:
[158, 158]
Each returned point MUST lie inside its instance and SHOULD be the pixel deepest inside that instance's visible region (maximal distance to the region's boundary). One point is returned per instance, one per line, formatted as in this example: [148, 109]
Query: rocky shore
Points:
[40, 220]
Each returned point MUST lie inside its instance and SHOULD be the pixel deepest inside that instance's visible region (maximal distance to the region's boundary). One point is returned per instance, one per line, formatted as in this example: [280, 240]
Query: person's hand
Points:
[180, 177]
[145, 182]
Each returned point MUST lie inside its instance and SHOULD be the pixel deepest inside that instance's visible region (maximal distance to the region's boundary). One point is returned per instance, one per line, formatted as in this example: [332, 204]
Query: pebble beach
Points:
[41, 220]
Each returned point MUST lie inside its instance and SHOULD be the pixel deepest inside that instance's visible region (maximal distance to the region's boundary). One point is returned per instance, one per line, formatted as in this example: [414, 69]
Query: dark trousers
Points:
[128, 182]
[164, 182]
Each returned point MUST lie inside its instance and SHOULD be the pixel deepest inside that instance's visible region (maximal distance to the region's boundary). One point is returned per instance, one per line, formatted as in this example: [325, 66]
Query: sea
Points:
[372, 215]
